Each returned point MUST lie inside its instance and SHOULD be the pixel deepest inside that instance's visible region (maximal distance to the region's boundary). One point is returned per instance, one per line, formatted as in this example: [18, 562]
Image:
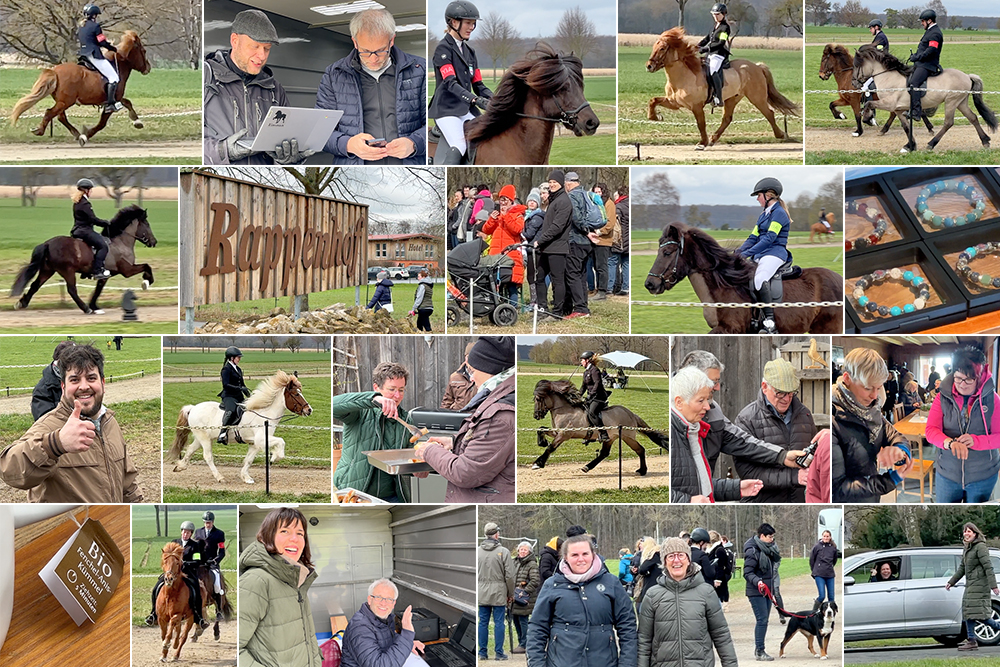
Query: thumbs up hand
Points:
[77, 435]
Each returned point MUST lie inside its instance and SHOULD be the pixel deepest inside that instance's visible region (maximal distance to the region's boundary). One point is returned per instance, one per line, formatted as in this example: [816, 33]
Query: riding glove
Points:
[482, 102]
[233, 151]
[246, 392]
[287, 152]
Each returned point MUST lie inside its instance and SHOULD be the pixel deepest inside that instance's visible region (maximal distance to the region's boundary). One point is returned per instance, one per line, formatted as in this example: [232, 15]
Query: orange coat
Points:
[504, 231]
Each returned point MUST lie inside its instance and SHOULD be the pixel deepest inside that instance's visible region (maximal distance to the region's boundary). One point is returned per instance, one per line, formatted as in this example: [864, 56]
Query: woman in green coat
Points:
[975, 566]
[276, 624]
[528, 578]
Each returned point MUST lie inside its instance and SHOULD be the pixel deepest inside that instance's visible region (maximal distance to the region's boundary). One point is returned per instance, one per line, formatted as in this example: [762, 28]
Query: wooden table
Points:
[41, 632]
[914, 433]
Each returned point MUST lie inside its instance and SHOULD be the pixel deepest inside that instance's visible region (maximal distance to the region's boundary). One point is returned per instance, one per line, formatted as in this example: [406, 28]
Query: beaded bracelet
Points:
[975, 278]
[916, 283]
[874, 216]
[975, 198]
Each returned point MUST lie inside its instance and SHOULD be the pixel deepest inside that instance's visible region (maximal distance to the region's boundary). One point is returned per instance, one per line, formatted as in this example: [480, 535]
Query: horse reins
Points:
[673, 265]
[568, 118]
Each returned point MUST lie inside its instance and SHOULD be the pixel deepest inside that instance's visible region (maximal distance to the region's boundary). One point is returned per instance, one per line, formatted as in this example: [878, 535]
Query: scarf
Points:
[695, 432]
[486, 388]
[769, 555]
[870, 415]
[595, 568]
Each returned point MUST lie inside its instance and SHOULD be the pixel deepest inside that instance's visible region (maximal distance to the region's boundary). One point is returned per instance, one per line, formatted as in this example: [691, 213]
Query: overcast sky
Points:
[732, 185]
[971, 8]
[531, 18]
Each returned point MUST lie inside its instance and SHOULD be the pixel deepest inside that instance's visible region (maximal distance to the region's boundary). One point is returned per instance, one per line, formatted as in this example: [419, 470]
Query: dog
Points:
[818, 623]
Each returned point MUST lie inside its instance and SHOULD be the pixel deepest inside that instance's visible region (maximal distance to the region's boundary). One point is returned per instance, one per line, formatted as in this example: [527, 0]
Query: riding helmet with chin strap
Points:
[765, 184]
[461, 10]
[587, 355]
[928, 15]
[875, 23]
[91, 11]
[208, 516]
[233, 352]
[85, 184]
[187, 525]
[699, 535]
[719, 8]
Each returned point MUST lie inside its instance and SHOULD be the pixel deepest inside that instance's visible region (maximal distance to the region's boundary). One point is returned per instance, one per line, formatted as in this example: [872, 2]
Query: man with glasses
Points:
[780, 418]
[370, 639]
[383, 94]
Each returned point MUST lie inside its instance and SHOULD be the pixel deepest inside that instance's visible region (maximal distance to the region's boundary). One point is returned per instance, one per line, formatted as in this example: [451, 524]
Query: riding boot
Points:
[196, 607]
[151, 619]
[112, 104]
[218, 607]
[763, 295]
[718, 83]
[452, 156]
[99, 272]
[223, 438]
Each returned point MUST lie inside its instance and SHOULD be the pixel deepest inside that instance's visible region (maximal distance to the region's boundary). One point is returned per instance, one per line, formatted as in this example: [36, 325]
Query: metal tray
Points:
[397, 461]
[371, 500]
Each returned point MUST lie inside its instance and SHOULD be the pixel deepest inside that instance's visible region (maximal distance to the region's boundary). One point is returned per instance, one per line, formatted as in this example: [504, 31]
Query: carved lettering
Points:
[272, 254]
[248, 255]
[322, 249]
[307, 245]
[218, 240]
[293, 239]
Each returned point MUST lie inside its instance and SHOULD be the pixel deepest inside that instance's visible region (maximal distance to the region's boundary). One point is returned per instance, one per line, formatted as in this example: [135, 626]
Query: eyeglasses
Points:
[380, 52]
[780, 395]
[677, 556]
[964, 380]
[379, 598]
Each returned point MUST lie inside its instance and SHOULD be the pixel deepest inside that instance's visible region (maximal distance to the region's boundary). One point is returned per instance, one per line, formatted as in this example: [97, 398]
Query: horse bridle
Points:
[569, 119]
[299, 402]
[673, 265]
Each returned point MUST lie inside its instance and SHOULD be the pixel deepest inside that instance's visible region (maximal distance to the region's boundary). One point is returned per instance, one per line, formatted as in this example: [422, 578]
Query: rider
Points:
[457, 75]
[926, 60]
[234, 390]
[824, 221]
[191, 557]
[881, 42]
[92, 40]
[84, 221]
[716, 45]
[214, 551]
[766, 244]
[593, 388]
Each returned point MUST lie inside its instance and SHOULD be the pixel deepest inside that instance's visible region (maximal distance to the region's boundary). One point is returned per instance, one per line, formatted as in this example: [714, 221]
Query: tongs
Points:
[415, 433]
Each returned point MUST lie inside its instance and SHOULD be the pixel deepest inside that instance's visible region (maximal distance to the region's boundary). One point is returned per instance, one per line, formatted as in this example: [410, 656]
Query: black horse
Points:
[68, 256]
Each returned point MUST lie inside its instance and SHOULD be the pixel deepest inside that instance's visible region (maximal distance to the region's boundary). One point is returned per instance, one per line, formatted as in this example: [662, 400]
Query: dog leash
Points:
[763, 588]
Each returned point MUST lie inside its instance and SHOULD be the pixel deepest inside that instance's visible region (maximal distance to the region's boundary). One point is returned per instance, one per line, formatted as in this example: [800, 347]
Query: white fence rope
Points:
[7, 390]
[119, 289]
[902, 90]
[798, 304]
[589, 428]
[274, 424]
[686, 124]
[126, 116]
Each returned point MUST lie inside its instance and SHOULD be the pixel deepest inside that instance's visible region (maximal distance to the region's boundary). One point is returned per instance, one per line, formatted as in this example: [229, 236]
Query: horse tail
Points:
[38, 256]
[977, 98]
[775, 99]
[44, 86]
[658, 438]
[227, 608]
[180, 434]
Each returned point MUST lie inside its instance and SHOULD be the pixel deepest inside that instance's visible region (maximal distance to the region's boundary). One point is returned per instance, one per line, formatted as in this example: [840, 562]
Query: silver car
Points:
[900, 593]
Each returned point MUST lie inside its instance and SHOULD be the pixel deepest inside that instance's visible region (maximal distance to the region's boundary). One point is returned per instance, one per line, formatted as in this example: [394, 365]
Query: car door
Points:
[928, 608]
[873, 609]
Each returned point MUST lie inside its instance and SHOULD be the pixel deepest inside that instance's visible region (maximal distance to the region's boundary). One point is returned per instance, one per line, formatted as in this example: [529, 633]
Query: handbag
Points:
[521, 596]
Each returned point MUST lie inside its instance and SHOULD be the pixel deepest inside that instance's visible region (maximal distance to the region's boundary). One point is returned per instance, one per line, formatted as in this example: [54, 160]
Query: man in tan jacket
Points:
[76, 452]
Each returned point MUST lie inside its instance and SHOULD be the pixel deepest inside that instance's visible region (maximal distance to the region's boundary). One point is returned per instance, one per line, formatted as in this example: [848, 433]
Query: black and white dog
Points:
[818, 623]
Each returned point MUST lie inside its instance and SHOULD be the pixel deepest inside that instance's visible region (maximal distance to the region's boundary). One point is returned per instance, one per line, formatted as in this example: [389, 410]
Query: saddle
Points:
[786, 271]
[708, 76]
[83, 62]
[434, 136]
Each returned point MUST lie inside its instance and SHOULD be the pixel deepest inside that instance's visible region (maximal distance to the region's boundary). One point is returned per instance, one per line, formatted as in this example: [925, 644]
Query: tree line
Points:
[767, 18]
[891, 526]
[565, 350]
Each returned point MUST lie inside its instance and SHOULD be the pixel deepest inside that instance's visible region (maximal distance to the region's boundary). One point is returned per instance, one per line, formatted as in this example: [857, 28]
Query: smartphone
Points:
[376, 143]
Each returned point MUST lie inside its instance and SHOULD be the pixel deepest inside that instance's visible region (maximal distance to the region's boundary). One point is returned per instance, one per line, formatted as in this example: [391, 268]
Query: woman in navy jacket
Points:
[767, 243]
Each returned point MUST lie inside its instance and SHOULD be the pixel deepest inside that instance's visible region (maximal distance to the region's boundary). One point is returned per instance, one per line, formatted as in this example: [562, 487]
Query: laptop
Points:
[311, 127]
[459, 651]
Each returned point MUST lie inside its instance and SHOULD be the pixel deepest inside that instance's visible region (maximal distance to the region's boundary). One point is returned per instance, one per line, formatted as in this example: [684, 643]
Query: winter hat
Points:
[492, 354]
[382, 275]
[558, 176]
[491, 529]
[535, 195]
[573, 176]
[254, 24]
[509, 192]
[780, 374]
[674, 545]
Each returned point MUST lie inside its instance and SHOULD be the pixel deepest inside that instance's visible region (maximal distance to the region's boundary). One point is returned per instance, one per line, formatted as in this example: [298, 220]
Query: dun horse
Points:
[537, 93]
[562, 399]
[71, 84]
[268, 403]
[687, 87]
[720, 276]
[68, 256]
[173, 606]
[822, 230]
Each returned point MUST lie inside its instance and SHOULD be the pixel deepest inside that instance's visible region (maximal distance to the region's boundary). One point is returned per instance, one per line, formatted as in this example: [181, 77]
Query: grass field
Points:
[257, 364]
[838, 33]
[147, 546]
[636, 86]
[161, 91]
[37, 351]
[567, 148]
[647, 239]
[54, 217]
[681, 319]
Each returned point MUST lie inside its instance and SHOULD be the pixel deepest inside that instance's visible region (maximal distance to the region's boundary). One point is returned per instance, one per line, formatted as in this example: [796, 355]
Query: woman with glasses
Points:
[963, 423]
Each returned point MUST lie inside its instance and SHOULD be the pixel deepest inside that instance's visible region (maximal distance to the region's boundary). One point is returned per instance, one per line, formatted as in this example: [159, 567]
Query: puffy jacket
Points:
[622, 213]
[549, 559]
[341, 89]
[725, 437]
[553, 239]
[977, 569]
[423, 299]
[367, 429]
[526, 576]
[625, 570]
[370, 641]
[854, 467]
[781, 484]
[755, 569]
[574, 625]
[945, 421]
[505, 231]
[684, 472]
[382, 296]
[681, 622]
[822, 559]
[533, 221]
[231, 104]
[769, 236]
[481, 466]
[578, 228]
[47, 393]
[461, 389]
[276, 624]
[496, 574]
[38, 462]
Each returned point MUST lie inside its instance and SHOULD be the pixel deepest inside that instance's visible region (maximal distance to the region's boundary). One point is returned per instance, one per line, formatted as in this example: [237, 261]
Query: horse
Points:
[268, 402]
[68, 256]
[70, 84]
[173, 603]
[720, 276]
[223, 611]
[687, 86]
[568, 409]
[821, 229]
[538, 92]
[870, 62]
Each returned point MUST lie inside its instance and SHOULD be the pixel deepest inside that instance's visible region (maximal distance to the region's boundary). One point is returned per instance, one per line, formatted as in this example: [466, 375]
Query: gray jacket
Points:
[726, 437]
[982, 463]
[496, 573]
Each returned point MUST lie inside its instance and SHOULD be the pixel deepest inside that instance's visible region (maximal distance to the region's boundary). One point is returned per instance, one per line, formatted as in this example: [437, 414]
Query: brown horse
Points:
[70, 84]
[720, 276]
[821, 229]
[68, 256]
[538, 92]
[687, 86]
[224, 611]
[173, 606]
[563, 400]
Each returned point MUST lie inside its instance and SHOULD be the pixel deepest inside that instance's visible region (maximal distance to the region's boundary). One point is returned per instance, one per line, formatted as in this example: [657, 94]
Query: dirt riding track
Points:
[146, 647]
[747, 153]
[284, 479]
[569, 477]
[962, 137]
[62, 151]
[42, 317]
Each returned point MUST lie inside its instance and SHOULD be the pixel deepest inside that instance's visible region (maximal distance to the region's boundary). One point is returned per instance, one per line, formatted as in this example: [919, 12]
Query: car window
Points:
[932, 566]
[863, 573]
[995, 562]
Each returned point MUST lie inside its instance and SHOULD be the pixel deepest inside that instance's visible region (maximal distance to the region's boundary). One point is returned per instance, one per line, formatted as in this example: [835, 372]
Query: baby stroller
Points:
[467, 267]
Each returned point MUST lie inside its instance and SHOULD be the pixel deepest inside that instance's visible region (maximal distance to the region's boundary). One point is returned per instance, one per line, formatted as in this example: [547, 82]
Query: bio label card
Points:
[84, 573]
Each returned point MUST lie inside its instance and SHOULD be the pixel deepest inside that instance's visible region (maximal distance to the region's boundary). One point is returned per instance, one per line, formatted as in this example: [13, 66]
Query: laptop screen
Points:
[464, 636]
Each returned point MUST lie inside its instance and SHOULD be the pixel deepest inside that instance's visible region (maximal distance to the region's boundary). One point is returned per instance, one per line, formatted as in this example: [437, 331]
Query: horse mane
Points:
[884, 58]
[563, 388]
[129, 39]
[171, 550]
[268, 389]
[542, 70]
[730, 266]
[122, 219]
[673, 40]
[839, 53]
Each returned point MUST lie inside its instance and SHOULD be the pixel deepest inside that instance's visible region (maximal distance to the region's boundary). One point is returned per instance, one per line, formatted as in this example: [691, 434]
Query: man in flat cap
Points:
[239, 90]
[780, 418]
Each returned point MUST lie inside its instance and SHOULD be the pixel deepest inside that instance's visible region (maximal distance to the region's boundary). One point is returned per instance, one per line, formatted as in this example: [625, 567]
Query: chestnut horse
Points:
[687, 87]
[720, 276]
[173, 605]
[538, 92]
[821, 229]
[70, 84]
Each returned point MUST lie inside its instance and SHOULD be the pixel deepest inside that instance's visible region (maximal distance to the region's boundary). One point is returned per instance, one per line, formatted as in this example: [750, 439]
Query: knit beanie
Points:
[492, 354]
[674, 545]
[558, 176]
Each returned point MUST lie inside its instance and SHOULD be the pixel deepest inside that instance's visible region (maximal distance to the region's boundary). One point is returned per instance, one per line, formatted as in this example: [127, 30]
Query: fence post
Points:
[619, 457]
[267, 459]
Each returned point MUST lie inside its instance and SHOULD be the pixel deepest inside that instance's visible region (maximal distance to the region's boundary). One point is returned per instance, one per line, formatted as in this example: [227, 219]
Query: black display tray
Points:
[945, 244]
[901, 179]
[875, 185]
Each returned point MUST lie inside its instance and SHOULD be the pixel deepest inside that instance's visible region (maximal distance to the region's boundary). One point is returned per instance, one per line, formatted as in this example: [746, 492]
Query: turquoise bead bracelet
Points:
[916, 283]
[925, 214]
[975, 278]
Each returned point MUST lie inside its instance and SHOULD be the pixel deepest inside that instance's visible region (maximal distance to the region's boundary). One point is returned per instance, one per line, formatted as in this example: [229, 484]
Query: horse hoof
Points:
[855, 134]
[18, 306]
[97, 312]
[700, 147]
[220, 479]
[145, 285]
[585, 469]
[137, 124]
[248, 480]
[841, 116]
[82, 140]
[535, 466]
[179, 468]
[930, 146]
[904, 150]
[641, 472]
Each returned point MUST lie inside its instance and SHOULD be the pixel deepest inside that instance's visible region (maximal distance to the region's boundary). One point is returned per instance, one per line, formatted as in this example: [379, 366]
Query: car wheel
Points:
[986, 635]
[950, 642]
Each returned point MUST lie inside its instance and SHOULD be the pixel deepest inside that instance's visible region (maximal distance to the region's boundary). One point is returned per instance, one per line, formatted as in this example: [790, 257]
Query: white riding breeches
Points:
[867, 84]
[104, 67]
[453, 129]
[766, 268]
[714, 63]
[218, 580]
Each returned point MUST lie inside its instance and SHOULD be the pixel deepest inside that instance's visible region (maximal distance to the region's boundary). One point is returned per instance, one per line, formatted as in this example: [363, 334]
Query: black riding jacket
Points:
[881, 42]
[192, 556]
[928, 53]
[716, 42]
[215, 544]
[83, 215]
[232, 382]
[457, 80]
[592, 385]
[91, 37]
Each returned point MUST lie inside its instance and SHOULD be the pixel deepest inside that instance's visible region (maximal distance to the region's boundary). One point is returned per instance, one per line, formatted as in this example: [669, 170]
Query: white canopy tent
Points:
[622, 359]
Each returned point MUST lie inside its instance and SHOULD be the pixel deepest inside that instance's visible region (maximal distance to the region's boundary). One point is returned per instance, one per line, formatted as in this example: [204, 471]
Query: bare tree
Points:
[786, 14]
[293, 343]
[31, 183]
[576, 33]
[185, 18]
[498, 38]
[119, 181]
[681, 4]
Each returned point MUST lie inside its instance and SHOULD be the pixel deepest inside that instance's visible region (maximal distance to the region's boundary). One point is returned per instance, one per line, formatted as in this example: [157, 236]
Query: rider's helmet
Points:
[233, 352]
[765, 184]
[587, 355]
[461, 9]
[699, 535]
[91, 10]
[719, 8]
[928, 15]
[187, 525]
[208, 516]
[875, 23]
[84, 184]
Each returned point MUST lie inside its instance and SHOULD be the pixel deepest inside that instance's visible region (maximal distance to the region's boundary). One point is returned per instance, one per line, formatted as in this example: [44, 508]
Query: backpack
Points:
[595, 216]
